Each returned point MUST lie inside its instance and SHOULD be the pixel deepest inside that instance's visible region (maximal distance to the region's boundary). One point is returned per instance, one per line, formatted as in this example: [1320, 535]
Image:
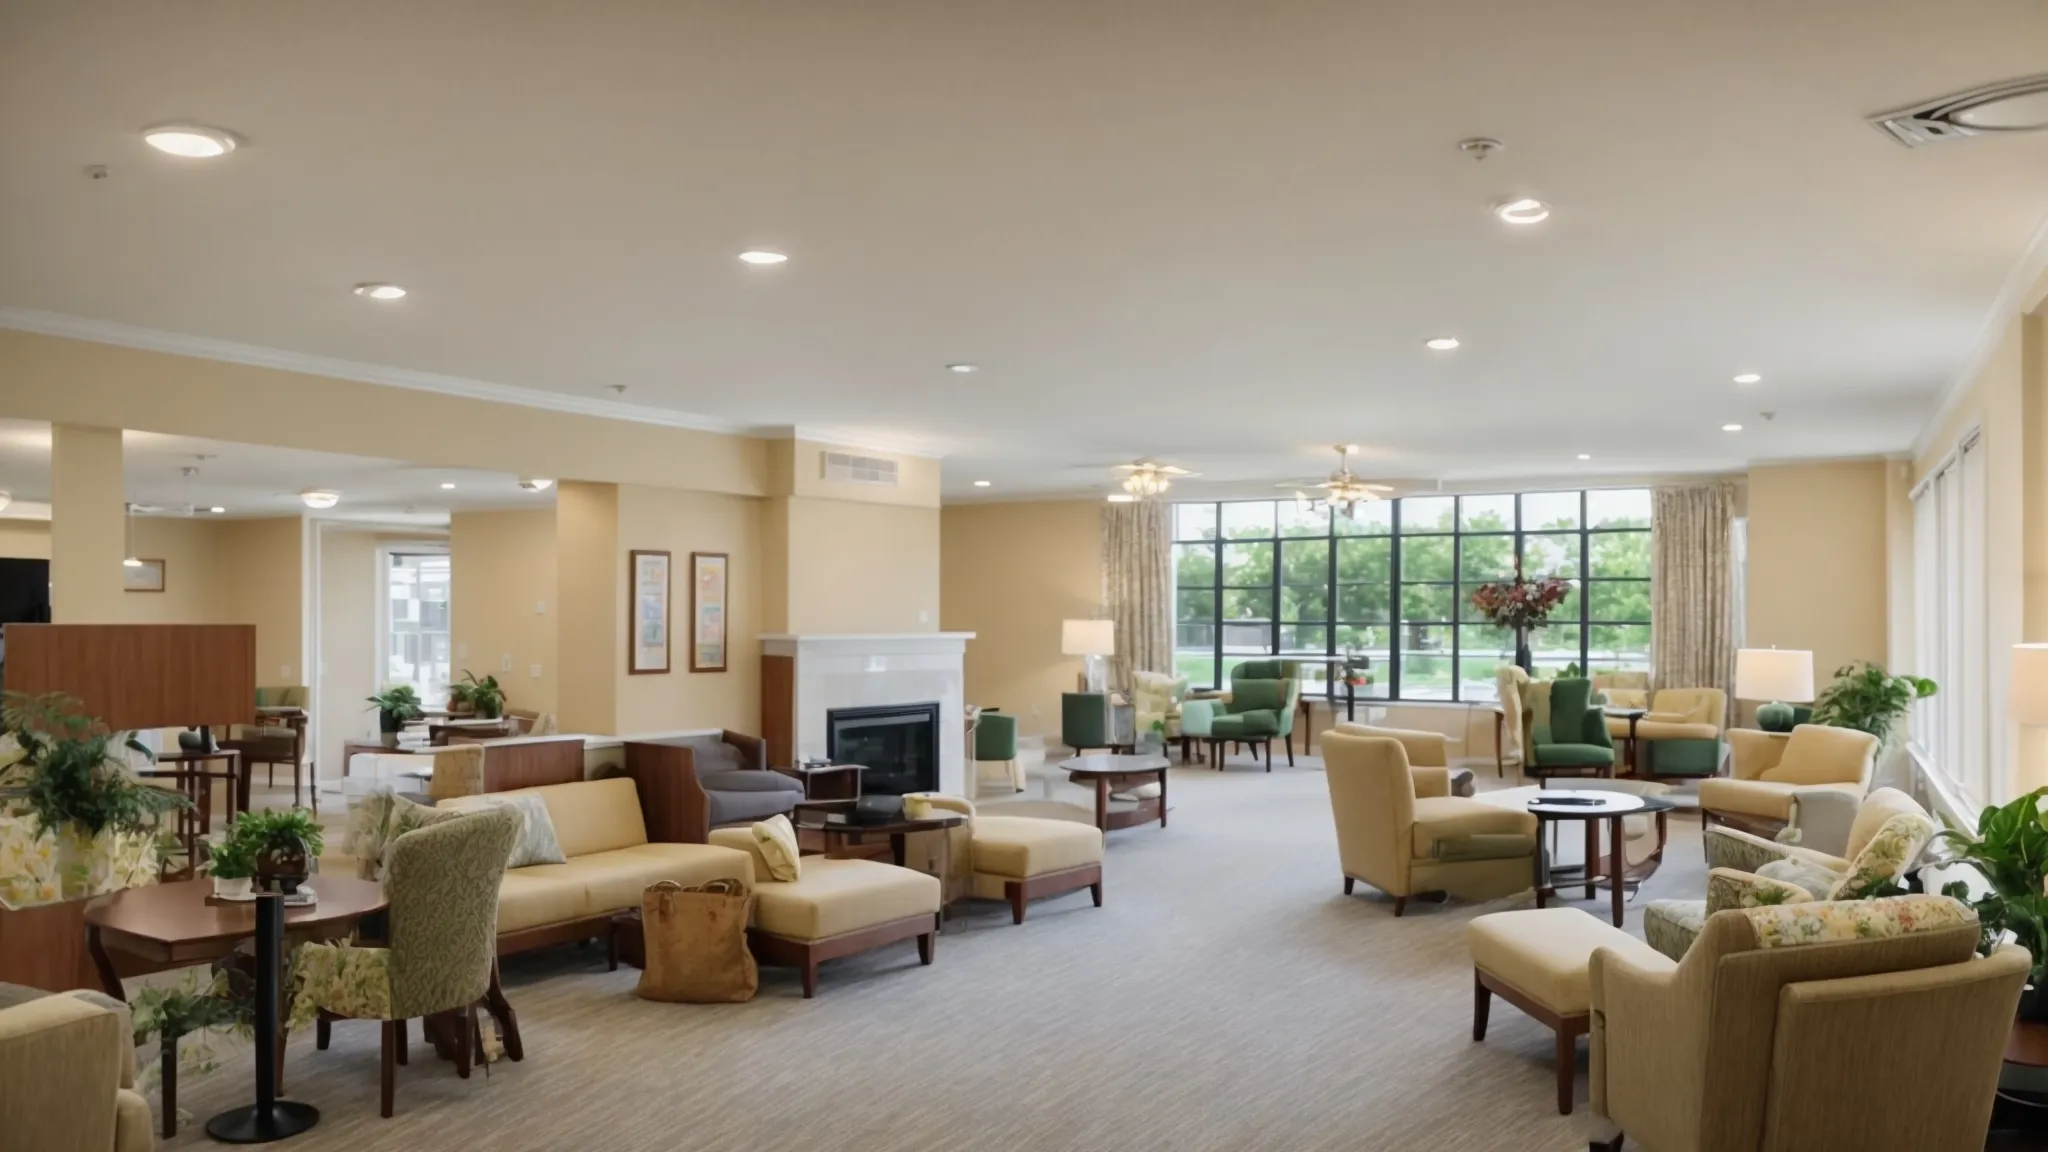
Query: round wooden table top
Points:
[1588, 804]
[178, 913]
[841, 821]
[1109, 764]
[2027, 1044]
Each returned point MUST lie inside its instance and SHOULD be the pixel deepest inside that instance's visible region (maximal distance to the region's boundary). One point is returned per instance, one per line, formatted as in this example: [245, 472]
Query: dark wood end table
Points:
[1114, 773]
[1593, 808]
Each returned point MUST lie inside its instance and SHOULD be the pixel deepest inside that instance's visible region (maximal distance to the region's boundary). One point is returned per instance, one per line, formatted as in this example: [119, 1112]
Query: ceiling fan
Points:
[1148, 478]
[1343, 489]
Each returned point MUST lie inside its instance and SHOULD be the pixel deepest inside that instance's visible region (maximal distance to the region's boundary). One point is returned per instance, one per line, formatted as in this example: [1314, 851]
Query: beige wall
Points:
[588, 563]
[503, 600]
[1817, 561]
[1010, 573]
[197, 569]
[88, 526]
[264, 576]
[349, 645]
[861, 567]
[680, 522]
[25, 539]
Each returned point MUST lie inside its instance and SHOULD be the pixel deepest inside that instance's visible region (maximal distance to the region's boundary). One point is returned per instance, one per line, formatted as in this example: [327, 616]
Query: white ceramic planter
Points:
[236, 888]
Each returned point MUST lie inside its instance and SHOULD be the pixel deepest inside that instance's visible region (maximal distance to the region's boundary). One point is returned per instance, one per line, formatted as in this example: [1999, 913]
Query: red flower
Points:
[1519, 603]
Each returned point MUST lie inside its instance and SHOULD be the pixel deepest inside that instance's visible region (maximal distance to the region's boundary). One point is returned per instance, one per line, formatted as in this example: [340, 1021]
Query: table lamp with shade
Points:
[1093, 640]
[1780, 676]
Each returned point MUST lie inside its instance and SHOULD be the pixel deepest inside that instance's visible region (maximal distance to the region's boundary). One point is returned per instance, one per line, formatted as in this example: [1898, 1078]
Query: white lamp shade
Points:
[1088, 637]
[2026, 699]
[1779, 675]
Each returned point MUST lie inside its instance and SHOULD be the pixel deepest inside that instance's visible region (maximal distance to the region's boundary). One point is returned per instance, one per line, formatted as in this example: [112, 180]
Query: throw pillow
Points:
[537, 843]
[403, 816]
[776, 837]
[1805, 874]
[1887, 857]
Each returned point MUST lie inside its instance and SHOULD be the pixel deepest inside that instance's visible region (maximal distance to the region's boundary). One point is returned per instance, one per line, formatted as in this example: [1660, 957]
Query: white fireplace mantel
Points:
[847, 670]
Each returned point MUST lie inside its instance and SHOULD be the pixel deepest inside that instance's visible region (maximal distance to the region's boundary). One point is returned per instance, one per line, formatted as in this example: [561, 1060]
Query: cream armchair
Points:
[1156, 697]
[1679, 733]
[1771, 772]
[68, 1063]
[1400, 830]
[1746, 1045]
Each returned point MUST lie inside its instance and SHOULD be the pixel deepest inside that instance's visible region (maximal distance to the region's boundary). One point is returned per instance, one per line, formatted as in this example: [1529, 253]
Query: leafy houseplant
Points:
[282, 843]
[169, 1013]
[1520, 605]
[396, 705]
[2010, 850]
[233, 863]
[1867, 698]
[77, 823]
[483, 696]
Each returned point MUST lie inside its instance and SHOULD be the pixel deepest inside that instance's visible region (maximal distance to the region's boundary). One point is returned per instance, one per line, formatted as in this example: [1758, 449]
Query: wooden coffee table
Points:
[1115, 773]
[1592, 807]
[835, 821]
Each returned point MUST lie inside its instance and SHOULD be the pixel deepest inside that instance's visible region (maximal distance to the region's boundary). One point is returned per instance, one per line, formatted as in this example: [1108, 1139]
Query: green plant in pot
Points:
[395, 706]
[484, 697]
[283, 843]
[1869, 699]
[74, 821]
[2010, 851]
[233, 863]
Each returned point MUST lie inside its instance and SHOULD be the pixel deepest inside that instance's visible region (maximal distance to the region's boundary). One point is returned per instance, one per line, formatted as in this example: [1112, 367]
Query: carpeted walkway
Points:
[1227, 997]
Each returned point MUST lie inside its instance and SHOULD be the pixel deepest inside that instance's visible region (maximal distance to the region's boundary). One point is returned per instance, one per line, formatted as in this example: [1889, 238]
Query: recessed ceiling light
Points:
[1523, 211]
[536, 483]
[380, 291]
[445, 487]
[216, 509]
[1731, 427]
[981, 483]
[1441, 343]
[1122, 498]
[319, 498]
[963, 369]
[1748, 378]
[1585, 455]
[192, 141]
[763, 256]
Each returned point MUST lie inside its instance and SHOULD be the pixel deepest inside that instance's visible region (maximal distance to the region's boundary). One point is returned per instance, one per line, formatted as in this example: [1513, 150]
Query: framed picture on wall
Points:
[647, 620]
[707, 611]
[143, 576]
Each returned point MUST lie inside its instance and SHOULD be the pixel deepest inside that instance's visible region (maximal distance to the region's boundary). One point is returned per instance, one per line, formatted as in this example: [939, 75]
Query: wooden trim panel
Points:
[1022, 892]
[778, 709]
[530, 763]
[140, 675]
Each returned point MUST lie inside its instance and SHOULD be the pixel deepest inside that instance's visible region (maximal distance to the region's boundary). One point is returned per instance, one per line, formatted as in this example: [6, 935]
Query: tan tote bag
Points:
[696, 943]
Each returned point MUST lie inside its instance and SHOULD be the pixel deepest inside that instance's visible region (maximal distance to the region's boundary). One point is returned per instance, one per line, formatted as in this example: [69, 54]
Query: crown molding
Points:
[2015, 298]
[205, 348]
[919, 447]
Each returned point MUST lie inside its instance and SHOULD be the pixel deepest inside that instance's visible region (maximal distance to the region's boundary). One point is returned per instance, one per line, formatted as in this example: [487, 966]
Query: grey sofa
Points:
[708, 781]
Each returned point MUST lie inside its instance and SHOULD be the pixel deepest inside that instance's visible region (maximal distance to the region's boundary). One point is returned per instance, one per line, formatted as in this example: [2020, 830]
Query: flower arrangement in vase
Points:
[1520, 605]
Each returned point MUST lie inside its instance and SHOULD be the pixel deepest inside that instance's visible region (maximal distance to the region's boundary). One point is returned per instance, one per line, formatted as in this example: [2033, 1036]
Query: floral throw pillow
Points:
[776, 837]
[1893, 850]
[537, 843]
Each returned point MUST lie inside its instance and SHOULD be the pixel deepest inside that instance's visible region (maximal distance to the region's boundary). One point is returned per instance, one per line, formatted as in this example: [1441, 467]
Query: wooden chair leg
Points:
[403, 1046]
[1400, 904]
[810, 971]
[1016, 894]
[1567, 1065]
[508, 1020]
[1095, 890]
[1482, 999]
[387, 1085]
[463, 1024]
[1268, 742]
[1348, 883]
[1290, 749]
[323, 1030]
[924, 948]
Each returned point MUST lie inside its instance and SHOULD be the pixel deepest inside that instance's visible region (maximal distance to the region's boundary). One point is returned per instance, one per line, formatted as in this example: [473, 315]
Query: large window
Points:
[1951, 635]
[1393, 581]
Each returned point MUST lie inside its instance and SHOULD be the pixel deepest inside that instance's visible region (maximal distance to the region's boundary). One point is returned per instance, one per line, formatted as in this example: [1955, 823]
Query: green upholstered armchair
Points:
[1084, 721]
[1567, 732]
[1260, 706]
[995, 742]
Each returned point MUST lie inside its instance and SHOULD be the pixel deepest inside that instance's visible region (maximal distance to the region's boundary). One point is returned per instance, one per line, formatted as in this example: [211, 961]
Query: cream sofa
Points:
[1771, 772]
[610, 861]
[1400, 830]
[68, 1065]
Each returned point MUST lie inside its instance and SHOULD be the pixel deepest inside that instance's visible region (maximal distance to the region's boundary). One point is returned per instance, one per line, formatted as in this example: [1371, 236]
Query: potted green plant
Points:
[2010, 851]
[282, 843]
[484, 697]
[1865, 697]
[395, 706]
[233, 864]
[75, 822]
[167, 1013]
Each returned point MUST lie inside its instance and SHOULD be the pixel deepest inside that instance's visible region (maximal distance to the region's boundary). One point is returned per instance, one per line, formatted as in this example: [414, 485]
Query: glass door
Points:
[416, 647]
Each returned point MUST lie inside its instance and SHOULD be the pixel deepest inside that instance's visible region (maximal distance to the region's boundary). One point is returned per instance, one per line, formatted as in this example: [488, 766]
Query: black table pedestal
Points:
[269, 1118]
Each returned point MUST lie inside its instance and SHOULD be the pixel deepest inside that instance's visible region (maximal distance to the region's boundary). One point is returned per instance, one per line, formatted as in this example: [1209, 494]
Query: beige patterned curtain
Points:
[1692, 584]
[1137, 567]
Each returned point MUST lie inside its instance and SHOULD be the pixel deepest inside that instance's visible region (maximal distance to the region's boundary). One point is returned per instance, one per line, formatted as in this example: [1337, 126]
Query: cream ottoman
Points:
[834, 908]
[1021, 858]
[1537, 960]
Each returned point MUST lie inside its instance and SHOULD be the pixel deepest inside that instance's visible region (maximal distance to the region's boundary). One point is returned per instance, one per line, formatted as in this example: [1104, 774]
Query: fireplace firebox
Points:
[896, 744]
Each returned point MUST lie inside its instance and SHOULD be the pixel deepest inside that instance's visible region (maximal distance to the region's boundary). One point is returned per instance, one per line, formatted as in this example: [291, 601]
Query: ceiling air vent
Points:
[2014, 106]
[853, 469]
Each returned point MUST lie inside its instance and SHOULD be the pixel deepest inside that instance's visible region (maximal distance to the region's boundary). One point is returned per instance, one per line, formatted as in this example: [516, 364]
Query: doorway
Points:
[414, 643]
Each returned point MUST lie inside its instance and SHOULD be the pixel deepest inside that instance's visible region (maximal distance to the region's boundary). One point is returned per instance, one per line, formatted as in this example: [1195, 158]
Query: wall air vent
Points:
[851, 469]
[2014, 106]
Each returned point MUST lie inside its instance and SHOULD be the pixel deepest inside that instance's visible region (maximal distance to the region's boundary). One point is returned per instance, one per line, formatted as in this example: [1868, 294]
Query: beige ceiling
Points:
[1208, 230]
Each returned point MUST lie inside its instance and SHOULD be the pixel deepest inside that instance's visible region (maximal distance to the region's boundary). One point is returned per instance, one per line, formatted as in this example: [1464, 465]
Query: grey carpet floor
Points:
[1227, 996]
